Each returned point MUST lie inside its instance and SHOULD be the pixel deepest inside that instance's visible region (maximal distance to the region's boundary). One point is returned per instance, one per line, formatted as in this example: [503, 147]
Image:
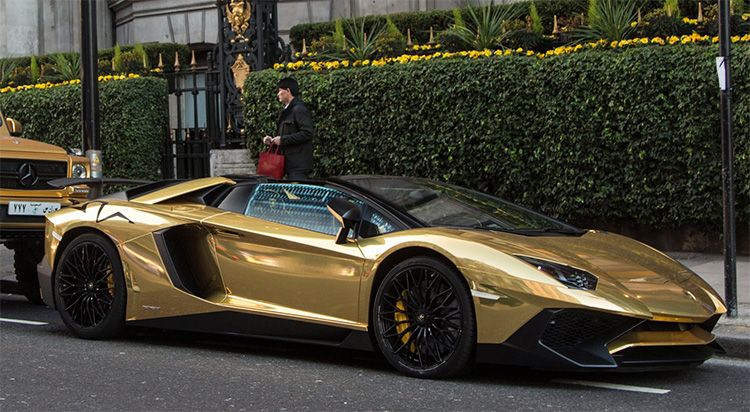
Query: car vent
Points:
[570, 328]
[26, 174]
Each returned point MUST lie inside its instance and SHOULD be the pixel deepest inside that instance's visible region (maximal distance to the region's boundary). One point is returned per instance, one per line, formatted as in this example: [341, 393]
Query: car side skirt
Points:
[236, 323]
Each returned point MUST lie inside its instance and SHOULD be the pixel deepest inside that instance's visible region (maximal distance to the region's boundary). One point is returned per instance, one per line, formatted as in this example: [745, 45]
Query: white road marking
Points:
[614, 386]
[25, 322]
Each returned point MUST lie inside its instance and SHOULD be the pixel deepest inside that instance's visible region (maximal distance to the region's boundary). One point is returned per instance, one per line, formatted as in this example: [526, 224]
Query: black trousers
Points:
[298, 175]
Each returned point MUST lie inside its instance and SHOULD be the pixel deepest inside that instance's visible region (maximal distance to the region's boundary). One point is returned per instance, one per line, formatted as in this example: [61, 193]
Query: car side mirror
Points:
[14, 127]
[347, 213]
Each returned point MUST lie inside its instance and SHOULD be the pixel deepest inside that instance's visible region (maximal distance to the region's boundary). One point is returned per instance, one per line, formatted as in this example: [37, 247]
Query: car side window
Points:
[373, 224]
[304, 206]
[298, 205]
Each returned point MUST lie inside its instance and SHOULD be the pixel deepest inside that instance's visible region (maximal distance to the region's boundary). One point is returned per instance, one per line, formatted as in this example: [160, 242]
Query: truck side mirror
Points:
[347, 213]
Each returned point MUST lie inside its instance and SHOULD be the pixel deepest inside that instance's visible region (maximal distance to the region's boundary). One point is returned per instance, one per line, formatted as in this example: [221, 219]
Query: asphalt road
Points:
[44, 367]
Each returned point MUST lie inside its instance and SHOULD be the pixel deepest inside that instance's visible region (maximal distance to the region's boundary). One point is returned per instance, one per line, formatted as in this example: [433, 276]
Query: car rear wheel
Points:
[424, 320]
[90, 288]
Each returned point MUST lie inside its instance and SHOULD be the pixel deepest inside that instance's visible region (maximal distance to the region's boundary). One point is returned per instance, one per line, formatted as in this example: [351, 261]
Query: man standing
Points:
[295, 130]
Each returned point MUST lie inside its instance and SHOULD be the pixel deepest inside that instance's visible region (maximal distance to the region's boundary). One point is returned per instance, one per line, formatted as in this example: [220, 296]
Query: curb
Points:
[735, 347]
[734, 337]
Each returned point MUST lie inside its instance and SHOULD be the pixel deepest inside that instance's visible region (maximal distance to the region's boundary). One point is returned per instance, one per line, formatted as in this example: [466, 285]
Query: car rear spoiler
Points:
[95, 183]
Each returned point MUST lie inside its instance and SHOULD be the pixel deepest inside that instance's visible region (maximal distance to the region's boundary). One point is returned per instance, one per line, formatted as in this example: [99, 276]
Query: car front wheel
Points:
[424, 320]
[90, 288]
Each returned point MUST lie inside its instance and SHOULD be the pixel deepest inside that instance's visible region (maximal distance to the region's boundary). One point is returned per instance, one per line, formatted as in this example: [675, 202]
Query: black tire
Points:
[423, 319]
[90, 288]
[26, 255]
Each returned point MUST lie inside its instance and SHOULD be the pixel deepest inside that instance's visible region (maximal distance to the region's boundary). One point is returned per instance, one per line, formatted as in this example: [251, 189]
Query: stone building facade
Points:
[36, 27]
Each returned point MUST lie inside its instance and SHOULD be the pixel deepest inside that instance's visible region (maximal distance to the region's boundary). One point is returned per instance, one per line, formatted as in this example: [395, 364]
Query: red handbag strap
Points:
[271, 148]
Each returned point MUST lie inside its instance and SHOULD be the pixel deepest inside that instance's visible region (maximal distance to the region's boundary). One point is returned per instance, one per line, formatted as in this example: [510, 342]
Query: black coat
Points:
[296, 128]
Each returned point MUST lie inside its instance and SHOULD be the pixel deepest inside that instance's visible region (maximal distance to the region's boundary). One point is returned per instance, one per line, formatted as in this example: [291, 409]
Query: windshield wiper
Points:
[534, 232]
[497, 229]
[545, 230]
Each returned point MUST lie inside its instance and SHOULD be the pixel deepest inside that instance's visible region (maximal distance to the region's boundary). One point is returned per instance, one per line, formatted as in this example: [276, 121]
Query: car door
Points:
[281, 257]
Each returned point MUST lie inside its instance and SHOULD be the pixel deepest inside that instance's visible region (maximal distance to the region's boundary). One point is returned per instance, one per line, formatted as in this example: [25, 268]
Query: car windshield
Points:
[442, 204]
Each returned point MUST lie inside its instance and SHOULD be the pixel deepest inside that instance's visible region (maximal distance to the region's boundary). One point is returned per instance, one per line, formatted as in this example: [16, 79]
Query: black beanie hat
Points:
[289, 83]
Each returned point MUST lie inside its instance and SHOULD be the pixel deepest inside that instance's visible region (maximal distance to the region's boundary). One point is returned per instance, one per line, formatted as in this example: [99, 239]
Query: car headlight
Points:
[78, 170]
[568, 276]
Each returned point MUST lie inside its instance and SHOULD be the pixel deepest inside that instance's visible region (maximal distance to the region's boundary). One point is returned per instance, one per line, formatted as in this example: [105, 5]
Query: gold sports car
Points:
[434, 276]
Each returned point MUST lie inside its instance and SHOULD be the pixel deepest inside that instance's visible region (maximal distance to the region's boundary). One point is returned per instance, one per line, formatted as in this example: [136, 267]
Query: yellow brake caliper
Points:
[111, 281]
[402, 317]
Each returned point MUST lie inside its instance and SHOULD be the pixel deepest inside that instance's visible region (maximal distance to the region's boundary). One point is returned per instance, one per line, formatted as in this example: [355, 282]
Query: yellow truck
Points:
[26, 167]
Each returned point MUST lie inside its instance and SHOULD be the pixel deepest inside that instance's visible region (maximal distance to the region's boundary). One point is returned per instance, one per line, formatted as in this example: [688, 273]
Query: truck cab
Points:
[26, 167]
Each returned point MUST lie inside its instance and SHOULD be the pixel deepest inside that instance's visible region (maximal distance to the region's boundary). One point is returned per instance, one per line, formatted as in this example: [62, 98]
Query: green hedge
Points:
[584, 137]
[420, 22]
[133, 115]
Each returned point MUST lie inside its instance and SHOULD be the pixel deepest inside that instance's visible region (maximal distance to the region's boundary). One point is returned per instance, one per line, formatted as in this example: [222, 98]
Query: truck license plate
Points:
[32, 208]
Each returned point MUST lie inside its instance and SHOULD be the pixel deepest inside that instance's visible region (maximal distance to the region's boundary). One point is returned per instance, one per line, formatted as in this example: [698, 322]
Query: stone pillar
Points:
[232, 162]
[37, 27]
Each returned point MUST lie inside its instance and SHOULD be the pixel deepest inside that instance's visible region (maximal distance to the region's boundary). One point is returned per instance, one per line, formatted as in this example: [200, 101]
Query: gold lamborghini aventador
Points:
[433, 275]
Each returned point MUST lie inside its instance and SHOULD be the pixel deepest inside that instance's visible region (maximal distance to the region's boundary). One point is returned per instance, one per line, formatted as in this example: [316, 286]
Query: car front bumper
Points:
[578, 339]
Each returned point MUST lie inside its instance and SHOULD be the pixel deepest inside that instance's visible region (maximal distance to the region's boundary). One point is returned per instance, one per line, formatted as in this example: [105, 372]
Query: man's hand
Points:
[267, 139]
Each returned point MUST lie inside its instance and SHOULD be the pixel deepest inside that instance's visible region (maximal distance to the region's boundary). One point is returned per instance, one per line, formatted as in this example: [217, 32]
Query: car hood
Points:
[624, 268]
[12, 145]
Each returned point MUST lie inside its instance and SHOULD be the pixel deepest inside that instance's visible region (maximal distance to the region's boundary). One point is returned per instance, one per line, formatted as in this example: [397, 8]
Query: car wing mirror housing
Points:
[14, 127]
[347, 213]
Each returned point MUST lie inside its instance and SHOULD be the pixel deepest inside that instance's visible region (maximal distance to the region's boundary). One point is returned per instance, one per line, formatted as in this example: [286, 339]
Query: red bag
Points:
[271, 163]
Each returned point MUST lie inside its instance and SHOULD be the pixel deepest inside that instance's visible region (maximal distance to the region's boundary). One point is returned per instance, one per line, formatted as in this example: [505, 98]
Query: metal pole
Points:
[727, 150]
[90, 91]
[223, 107]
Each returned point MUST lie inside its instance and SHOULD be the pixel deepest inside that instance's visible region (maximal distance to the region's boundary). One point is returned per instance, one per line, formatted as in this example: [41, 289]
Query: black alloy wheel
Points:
[90, 287]
[424, 320]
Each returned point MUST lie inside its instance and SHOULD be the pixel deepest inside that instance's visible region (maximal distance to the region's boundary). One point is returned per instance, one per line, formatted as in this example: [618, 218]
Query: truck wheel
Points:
[26, 256]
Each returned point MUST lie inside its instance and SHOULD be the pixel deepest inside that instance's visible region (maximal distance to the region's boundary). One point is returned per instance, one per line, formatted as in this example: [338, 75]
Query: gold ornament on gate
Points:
[240, 70]
[239, 17]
